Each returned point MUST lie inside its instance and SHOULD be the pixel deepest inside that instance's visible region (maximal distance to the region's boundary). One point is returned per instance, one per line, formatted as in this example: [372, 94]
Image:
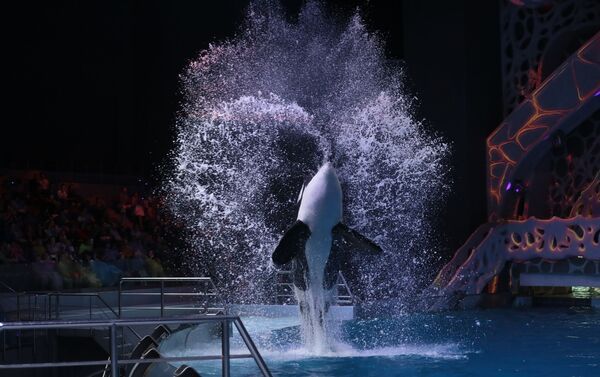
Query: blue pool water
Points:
[544, 342]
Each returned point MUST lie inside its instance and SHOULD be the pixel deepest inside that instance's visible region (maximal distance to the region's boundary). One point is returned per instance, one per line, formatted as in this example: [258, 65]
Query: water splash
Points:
[263, 111]
[319, 332]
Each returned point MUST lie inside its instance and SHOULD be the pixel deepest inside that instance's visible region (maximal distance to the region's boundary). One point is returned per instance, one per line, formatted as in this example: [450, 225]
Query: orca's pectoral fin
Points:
[351, 240]
[291, 244]
[354, 255]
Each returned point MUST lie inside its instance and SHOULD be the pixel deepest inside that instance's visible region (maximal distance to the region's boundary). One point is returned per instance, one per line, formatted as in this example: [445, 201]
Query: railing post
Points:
[114, 364]
[34, 349]
[162, 298]
[20, 332]
[119, 298]
[225, 347]
[252, 347]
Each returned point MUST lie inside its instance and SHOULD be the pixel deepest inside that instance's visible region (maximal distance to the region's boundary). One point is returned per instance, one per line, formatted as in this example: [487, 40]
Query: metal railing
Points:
[49, 306]
[204, 290]
[285, 290]
[343, 294]
[106, 310]
[67, 306]
[35, 306]
[6, 287]
[32, 307]
[55, 297]
[115, 361]
[28, 307]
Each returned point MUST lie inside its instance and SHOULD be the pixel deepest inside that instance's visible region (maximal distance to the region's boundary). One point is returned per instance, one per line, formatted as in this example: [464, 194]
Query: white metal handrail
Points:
[342, 294]
[207, 289]
[341, 298]
[91, 295]
[91, 309]
[115, 361]
[7, 287]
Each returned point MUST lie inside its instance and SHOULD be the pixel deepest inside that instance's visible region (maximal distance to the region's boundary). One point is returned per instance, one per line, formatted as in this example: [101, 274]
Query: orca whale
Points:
[318, 244]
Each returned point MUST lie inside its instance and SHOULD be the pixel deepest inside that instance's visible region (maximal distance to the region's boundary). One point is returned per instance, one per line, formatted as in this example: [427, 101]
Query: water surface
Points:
[546, 342]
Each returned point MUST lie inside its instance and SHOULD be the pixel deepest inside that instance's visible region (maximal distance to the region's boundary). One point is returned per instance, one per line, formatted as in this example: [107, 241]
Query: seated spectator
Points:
[54, 248]
[39, 250]
[4, 253]
[44, 183]
[63, 192]
[70, 241]
[88, 276]
[45, 270]
[140, 213]
[15, 253]
[153, 266]
[86, 247]
[69, 271]
[124, 200]
[123, 263]
[108, 274]
[138, 267]
[111, 253]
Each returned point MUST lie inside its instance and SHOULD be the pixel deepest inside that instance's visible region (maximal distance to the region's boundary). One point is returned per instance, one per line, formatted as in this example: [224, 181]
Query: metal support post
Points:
[114, 364]
[225, 347]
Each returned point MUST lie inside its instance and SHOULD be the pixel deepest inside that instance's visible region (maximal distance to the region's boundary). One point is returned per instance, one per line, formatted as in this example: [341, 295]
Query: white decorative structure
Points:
[543, 163]
[552, 239]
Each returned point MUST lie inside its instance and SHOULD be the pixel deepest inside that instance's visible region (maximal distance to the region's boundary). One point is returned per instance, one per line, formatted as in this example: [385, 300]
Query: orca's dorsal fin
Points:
[291, 244]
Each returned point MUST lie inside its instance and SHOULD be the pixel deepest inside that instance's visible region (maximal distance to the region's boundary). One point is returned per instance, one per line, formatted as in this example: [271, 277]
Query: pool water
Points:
[541, 342]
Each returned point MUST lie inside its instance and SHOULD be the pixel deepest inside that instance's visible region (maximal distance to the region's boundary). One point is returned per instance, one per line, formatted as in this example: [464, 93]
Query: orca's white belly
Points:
[321, 205]
[318, 248]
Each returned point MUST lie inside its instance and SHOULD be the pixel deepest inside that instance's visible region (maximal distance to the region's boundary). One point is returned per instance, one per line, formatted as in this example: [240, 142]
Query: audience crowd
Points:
[72, 241]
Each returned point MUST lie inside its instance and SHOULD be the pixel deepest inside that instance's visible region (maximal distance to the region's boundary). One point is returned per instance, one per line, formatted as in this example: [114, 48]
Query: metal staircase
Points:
[129, 331]
[118, 362]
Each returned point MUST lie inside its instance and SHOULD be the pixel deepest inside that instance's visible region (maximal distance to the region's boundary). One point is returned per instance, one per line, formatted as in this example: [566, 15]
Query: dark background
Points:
[93, 85]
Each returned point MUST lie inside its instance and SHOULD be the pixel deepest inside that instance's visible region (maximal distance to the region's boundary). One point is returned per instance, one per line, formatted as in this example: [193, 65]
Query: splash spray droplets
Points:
[263, 111]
